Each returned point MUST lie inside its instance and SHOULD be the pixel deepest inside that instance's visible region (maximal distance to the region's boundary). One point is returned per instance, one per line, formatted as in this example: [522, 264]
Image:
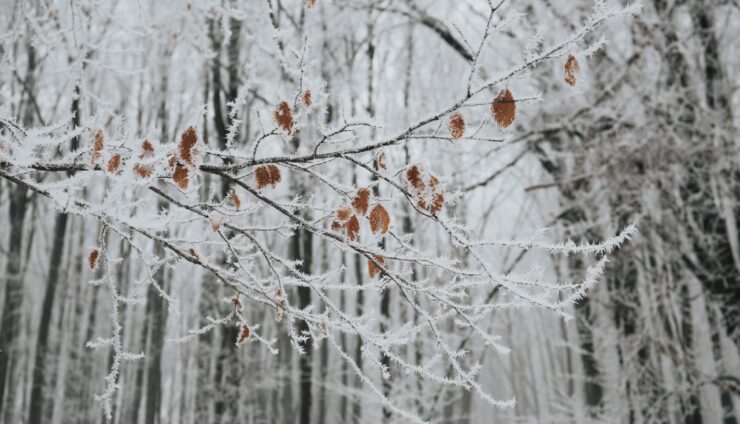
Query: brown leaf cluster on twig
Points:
[147, 152]
[427, 191]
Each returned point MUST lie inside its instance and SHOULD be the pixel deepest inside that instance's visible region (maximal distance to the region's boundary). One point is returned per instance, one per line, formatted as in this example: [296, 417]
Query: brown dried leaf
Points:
[456, 126]
[284, 117]
[414, 178]
[341, 216]
[267, 175]
[98, 146]
[379, 220]
[438, 200]
[572, 68]
[262, 177]
[147, 150]
[311, 3]
[236, 200]
[92, 259]
[504, 108]
[243, 334]
[187, 144]
[433, 182]
[353, 228]
[307, 101]
[114, 163]
[194, 254]
[361, 201]
[373, 269]
[143, 171]
[181, 176]
[275, 175]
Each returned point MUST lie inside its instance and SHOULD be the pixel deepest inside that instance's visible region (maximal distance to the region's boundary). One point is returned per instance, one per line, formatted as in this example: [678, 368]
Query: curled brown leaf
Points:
[572, 69]
[243, 334]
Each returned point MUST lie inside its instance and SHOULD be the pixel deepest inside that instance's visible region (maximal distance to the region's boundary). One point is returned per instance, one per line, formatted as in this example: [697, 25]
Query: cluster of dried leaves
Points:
[147, 152]
[426, 189]
[346, 218]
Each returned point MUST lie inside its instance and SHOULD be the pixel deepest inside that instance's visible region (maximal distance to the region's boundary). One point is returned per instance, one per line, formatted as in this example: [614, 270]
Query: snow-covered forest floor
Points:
[369, 211]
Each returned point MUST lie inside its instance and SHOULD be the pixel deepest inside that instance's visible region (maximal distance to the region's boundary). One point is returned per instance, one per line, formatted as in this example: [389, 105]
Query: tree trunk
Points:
[12, 305]
[36, 405]
[157, 322]
[304, 299]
